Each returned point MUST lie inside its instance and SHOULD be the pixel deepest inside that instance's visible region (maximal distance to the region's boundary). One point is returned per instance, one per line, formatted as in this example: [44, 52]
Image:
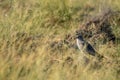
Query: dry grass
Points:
[32, 38]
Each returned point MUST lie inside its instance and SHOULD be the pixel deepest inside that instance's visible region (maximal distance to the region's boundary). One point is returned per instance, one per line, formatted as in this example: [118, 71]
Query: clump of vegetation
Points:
[99, 28]
[37, 40]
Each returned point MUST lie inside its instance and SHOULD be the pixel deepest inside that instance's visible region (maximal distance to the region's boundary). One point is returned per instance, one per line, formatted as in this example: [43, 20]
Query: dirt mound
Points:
[100, 27]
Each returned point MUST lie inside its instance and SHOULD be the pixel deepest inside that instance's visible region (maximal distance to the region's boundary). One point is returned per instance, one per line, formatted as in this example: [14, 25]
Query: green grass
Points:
[29, 27]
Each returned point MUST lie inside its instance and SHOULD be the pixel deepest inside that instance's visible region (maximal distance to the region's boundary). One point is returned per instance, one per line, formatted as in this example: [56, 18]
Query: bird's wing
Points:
[90, 49]
[92, 52]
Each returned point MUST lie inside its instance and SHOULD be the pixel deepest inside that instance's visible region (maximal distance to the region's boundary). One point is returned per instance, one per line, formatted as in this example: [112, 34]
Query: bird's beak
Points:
[76, 36]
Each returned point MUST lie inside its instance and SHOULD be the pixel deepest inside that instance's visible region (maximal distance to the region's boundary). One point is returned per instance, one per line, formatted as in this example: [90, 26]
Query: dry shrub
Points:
[99, 28]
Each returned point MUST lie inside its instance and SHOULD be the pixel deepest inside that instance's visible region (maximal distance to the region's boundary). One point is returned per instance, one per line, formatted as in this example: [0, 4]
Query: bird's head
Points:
[79, 36]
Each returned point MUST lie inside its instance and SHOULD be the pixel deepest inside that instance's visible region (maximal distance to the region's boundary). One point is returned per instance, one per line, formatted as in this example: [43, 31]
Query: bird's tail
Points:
[100, 56]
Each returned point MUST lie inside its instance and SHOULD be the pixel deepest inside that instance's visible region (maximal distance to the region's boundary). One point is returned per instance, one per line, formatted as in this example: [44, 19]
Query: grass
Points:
[29, 28]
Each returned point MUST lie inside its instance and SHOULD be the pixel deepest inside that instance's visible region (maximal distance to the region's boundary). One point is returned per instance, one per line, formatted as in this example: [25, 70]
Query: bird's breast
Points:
[80, 44]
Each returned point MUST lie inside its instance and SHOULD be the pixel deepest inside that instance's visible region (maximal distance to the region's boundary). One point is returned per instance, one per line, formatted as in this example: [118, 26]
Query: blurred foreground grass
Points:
[28, 27]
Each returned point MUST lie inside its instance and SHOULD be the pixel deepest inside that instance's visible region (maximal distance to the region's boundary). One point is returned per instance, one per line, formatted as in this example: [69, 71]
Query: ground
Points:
[37, 40]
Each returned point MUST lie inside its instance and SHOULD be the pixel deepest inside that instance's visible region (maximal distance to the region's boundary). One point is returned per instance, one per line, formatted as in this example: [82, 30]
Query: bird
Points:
[87, 48]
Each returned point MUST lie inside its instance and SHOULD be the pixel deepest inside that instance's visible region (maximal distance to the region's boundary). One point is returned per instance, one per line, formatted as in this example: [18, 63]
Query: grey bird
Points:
[86, 47]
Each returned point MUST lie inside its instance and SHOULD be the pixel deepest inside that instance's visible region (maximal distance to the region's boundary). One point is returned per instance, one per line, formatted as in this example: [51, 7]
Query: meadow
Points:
[32, 38]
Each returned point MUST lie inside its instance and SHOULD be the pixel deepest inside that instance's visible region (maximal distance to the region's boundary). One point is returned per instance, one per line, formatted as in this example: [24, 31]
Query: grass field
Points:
[30, 34]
